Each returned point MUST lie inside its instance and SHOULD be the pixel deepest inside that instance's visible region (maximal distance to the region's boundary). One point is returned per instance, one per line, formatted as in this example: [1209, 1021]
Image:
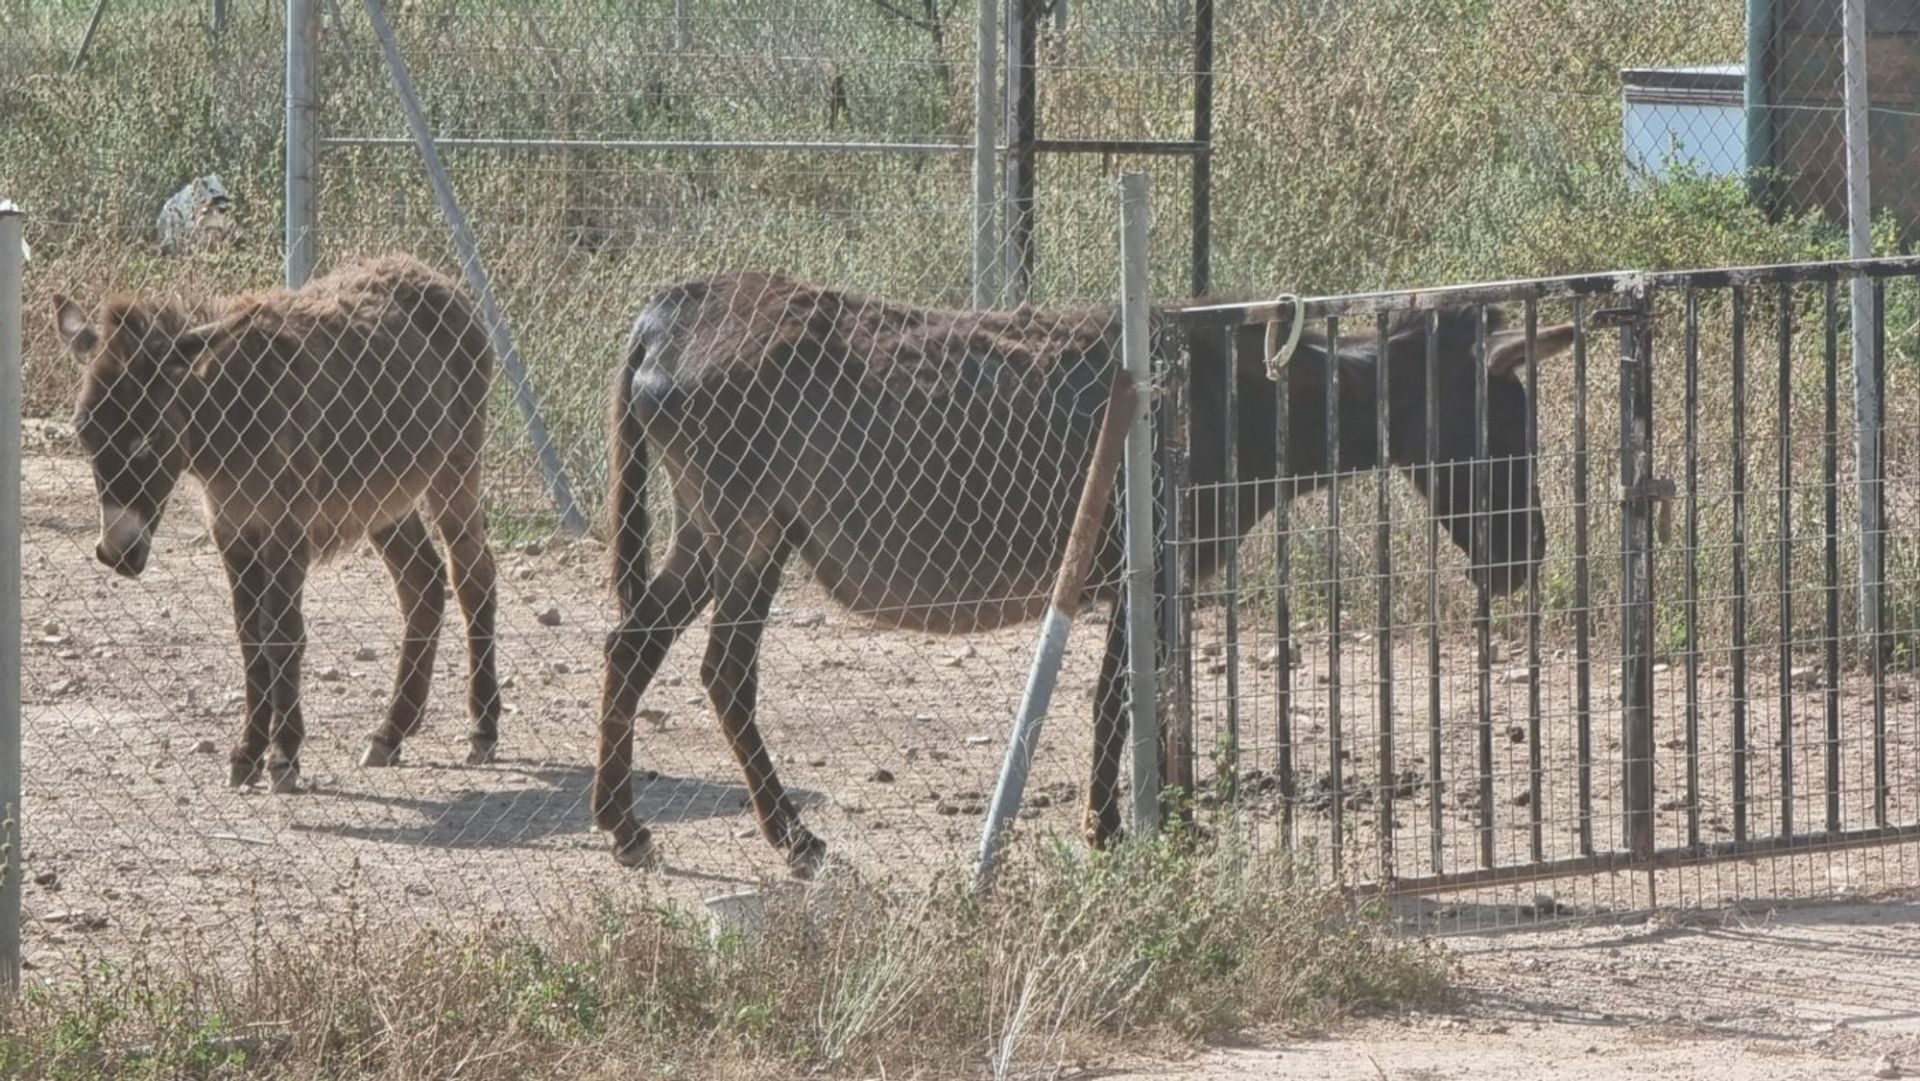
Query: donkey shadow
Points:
[555, 804]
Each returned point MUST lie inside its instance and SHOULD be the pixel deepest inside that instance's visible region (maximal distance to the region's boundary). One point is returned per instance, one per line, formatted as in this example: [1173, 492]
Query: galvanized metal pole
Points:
[217, 16]
[11, 256]
[551, 468]
[986, 139]
[1083, 541]
[1142, 634]
[1866, 382]
[303, 39]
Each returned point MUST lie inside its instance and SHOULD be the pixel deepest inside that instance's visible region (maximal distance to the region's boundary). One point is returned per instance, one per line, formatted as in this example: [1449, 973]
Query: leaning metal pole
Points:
[551, 467]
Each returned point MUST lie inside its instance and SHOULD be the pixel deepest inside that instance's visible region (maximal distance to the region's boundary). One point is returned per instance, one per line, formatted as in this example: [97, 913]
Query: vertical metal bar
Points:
[1875, 502]
[1335, 735]
[1636, 543]
[551, 467]
[1142, 651]
[1436, 820]
[1738, 646]
[1536, 773]
[680, 25]
[1283, 594]
[986, 138]
[11, 256]
[1203, 135]
[1481, 485]
[1383, 567]
[1229, 494]
[1757, 90]
[1783, 434]
[1830, 481]
[302, 164]
[217, 16]
[1582, 589]
[86, 37]
[1022, 118]
[1172, 540]
[1178, 742]
[1692, 601]
[1866, 387]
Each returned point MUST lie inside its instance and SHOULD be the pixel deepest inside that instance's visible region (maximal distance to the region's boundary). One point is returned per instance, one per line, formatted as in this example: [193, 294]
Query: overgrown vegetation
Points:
[1163, 940]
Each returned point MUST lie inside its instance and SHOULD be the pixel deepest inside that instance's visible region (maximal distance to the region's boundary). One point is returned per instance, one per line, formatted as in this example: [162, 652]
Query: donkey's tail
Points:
[627, 468]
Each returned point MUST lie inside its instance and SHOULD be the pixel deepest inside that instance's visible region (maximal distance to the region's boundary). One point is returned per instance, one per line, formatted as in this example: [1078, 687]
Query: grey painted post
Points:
[1758, 84]
[986, 137]
[1142, 631]
[11, 256]
[1866, 389]
[551, 467]
[303, 38]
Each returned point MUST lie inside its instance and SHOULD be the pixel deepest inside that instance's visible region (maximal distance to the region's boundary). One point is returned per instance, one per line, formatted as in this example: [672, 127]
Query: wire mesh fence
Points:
[601, 150]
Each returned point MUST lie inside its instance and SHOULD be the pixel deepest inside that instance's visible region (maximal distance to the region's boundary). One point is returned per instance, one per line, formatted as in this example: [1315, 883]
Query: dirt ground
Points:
[1818, 992]
[891, 742]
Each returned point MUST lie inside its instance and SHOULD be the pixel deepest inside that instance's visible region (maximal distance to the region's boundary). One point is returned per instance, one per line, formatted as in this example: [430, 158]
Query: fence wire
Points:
[1355, 146]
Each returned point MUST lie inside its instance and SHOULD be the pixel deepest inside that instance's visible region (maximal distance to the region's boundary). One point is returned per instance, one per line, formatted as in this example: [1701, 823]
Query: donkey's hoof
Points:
[380, 754]
[637, 852]
[480, 749]
[806, 854]
[242, 774]
[285, 778]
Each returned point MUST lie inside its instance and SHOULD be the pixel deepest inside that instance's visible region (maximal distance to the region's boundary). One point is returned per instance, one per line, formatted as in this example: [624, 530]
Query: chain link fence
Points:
[603, 150]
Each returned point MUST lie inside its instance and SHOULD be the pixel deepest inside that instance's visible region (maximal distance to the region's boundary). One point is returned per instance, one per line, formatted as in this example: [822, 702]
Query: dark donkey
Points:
[311, 418]
[926, 465]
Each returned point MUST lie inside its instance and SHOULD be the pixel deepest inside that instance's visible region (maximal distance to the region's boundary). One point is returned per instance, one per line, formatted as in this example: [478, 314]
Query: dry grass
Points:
[1158, 942]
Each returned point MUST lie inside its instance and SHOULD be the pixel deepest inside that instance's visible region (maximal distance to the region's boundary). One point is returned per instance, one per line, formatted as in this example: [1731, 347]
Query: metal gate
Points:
[1711, 663]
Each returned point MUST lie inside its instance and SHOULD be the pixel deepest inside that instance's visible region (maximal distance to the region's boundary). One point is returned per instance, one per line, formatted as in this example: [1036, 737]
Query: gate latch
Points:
[1657, 490]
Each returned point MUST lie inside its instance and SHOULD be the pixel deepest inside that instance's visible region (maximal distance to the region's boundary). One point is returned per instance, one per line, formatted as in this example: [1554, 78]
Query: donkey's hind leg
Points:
[635, 649]
[419, 582]
[463, 523]
[731, 674]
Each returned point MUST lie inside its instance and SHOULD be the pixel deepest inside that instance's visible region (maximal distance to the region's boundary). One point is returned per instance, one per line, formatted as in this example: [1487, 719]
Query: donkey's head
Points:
[132, 415]
[1516, 534]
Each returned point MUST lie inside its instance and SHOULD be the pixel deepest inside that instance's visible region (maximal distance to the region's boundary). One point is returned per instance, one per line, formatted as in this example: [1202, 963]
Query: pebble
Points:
[881, 776]
[366, 653]
[549, 618]
[205, 746]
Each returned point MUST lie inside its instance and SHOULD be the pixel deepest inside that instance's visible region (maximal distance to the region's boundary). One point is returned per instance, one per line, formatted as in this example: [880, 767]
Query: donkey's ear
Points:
[75, 329]
[1507, 350]
[186, 349]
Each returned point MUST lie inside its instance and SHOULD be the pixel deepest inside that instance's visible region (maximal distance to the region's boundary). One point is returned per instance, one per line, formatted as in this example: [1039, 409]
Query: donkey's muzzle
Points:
[129, 561]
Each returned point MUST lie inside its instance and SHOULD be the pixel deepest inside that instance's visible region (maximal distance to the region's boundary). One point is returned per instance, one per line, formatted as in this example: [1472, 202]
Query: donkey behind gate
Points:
[926, 465]
[311, 418]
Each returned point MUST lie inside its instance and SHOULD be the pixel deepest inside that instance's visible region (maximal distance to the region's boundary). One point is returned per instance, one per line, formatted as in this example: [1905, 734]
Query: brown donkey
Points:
[312, 418]
[925, 464]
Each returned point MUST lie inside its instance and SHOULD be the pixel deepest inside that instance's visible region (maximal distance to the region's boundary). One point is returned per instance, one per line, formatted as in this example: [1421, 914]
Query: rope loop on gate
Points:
[1277, 354]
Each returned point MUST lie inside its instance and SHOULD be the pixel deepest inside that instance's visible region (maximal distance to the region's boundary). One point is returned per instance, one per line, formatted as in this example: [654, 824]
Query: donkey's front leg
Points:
[247, 583]
[285, 568]
[1102, 822]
